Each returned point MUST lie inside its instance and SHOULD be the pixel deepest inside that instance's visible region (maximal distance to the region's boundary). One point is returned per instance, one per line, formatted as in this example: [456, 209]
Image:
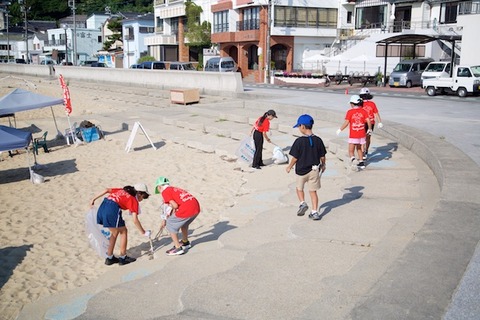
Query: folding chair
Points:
[41, 142]
[69, 132]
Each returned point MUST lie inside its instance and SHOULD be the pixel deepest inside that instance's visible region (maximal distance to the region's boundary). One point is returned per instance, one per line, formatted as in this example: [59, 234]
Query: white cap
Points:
[355, 99]
[364, 91]
[141, 187]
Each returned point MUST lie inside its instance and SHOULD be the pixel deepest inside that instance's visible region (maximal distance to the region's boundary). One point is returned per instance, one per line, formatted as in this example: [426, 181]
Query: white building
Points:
[135, 30]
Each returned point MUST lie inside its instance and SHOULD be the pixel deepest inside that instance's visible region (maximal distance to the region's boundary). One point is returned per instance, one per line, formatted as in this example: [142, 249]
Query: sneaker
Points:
[361, 165]
[314, 216]
[175, 251]
[302, 209]
[111, 261]
[185, 245]
[126, 260]
[364, 156]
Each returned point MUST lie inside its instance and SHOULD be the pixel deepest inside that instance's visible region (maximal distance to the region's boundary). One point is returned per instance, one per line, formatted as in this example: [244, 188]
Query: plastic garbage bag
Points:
[98, 236]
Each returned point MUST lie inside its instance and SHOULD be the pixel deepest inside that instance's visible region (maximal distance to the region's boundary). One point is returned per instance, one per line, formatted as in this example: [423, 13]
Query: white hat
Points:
[355, 100]
[364, 91]
[141, 187]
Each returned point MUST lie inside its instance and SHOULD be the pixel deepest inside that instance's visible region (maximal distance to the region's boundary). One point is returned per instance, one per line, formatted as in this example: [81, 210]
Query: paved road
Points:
[450, 117]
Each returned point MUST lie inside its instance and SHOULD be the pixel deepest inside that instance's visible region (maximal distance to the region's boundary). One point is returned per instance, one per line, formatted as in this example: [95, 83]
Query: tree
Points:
[198, 35]
[114, 25]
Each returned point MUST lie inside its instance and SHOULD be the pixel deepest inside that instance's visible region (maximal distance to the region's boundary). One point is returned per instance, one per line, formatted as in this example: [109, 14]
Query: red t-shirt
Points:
[188, 205]
[124, 200]
[357, 118]
[371, 108]
[264, 127]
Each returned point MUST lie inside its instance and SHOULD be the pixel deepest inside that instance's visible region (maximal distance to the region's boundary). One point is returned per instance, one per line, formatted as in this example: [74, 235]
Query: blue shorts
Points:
[110, 215]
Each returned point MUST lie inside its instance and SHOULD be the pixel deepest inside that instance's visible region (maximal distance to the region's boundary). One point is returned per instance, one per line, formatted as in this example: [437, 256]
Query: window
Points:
[159, 25]
[145, 30]
[129, 33]
[220, 21]
[448, 12]
[251, 19]
[371, 17]
[174, 25]
[349, 16]
[305, 17]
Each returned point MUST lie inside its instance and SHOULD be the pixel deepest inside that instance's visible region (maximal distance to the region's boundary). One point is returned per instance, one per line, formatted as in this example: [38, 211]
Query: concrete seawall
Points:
[216, 83]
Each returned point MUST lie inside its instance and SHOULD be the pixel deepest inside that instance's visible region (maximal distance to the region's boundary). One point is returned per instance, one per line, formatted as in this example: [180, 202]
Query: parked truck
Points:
[464, 80]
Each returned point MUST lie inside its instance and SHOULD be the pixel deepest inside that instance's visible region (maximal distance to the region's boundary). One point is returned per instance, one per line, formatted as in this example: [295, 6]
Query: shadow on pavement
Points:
[353, 193]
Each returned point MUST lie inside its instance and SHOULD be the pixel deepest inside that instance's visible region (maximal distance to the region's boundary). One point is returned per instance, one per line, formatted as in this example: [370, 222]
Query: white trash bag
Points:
[246, 150]
[279, 157]
[98, 236]
[36, 178]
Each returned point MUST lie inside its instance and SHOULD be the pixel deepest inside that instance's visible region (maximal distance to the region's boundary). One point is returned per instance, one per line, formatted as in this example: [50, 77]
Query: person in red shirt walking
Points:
[356, 118]
[373, 114]
[109, 215]
[259, 130]
[184, 209]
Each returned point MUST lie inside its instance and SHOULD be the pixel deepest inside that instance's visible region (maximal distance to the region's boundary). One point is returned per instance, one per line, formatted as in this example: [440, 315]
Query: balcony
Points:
[248, 25]
[161, 39]
[471, 7]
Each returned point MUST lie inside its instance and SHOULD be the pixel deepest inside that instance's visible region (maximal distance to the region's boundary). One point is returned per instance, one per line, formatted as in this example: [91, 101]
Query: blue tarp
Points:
[21, 100]
[12, 139]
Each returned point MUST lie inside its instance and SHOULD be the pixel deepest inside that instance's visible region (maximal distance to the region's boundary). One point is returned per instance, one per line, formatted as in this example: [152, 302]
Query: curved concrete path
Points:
[393, 243]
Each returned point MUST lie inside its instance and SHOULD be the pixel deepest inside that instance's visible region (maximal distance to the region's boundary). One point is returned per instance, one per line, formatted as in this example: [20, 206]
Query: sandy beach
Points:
[43, 245]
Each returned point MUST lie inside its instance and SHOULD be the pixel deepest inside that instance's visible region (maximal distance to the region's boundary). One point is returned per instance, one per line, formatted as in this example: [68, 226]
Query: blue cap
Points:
[304, 119]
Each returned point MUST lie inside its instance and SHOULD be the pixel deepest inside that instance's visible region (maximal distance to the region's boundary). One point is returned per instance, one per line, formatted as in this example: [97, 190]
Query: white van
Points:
[221, 64]
[436, 69]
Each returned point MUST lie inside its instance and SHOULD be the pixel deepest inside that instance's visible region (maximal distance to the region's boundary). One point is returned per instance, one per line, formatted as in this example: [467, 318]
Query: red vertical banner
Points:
[66, 95]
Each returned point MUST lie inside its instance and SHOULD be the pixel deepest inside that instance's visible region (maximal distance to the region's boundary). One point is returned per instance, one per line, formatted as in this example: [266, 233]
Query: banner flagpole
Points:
[68, 106]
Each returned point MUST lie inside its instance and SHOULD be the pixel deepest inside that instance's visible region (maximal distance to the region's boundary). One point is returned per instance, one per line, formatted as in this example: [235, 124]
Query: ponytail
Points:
[262, 118]
[130, 190]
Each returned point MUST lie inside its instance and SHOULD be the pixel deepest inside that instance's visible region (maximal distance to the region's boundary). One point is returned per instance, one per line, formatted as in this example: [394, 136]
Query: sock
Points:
[110, 257]
[122, 257]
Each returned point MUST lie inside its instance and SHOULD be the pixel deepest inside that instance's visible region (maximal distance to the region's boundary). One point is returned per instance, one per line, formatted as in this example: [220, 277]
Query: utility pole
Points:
[7, 13]
[71, 4]
[25, 8]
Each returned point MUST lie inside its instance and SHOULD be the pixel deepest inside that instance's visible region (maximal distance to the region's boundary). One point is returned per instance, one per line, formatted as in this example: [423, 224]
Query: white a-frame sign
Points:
[132, 136]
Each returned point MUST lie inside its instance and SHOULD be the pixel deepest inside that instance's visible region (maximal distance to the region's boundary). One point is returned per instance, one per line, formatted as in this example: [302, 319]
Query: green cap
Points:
[160, 182]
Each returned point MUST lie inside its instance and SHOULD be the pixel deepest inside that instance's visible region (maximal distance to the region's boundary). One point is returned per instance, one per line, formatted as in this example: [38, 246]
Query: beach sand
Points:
[43, 244]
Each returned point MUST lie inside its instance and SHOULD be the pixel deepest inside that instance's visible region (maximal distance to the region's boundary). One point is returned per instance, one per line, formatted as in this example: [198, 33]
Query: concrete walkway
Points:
[393, 243]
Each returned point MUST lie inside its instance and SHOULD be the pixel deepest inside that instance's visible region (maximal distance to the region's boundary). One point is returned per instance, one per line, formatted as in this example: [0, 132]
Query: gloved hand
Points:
[338, 132]
[369, 132]
[380, 125]
[148, 233]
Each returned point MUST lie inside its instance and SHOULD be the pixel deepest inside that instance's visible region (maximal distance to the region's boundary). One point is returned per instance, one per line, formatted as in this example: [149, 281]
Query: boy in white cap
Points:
[109, 215]
[185, 208]
[308, 156]
[356, 118]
